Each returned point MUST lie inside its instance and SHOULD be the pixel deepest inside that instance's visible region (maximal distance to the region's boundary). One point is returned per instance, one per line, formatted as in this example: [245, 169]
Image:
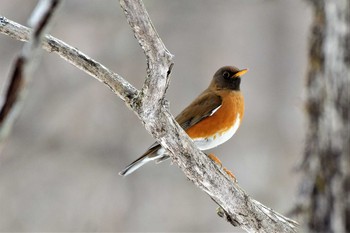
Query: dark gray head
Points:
[227, 77]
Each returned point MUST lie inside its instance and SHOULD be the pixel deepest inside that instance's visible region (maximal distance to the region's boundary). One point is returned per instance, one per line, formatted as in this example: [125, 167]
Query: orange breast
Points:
[223, 119]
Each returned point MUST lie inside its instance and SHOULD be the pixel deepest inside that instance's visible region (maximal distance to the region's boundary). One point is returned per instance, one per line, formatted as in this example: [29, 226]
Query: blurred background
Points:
[59, 167]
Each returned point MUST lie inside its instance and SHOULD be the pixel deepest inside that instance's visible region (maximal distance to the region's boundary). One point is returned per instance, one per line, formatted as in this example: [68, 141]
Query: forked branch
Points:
[235, 205]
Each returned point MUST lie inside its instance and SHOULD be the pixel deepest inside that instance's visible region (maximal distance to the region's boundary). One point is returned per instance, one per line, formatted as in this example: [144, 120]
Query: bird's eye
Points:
[226, 75]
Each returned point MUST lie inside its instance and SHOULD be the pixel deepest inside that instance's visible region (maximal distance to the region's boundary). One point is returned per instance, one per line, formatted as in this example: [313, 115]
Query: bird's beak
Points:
[240, 73]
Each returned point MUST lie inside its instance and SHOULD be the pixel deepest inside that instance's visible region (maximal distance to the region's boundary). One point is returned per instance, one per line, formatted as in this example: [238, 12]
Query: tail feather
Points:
[135, 165]
[155, 152]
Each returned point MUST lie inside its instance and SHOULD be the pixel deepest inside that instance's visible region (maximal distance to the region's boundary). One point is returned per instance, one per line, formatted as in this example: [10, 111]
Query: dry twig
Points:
[25, 64]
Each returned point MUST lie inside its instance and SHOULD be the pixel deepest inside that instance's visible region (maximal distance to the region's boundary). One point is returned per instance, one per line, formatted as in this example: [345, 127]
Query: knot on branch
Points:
[3, 21]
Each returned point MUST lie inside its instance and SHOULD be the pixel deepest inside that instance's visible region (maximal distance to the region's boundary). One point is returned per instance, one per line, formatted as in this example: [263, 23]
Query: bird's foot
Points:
[230, 174]
[215, 159]
[218, 162]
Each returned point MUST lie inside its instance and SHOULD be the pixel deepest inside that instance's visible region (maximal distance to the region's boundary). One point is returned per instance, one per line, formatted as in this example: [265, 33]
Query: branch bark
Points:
[325, 185]
[80, 60]
[235, 205]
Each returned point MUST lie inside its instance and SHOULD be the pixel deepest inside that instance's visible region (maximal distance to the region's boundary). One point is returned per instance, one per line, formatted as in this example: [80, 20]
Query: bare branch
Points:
[114, 81]
[25, 64]
[159, 60]
[235, 205]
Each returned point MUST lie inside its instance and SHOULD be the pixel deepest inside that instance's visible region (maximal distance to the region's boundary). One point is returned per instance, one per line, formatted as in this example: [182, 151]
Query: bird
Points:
[210, 120]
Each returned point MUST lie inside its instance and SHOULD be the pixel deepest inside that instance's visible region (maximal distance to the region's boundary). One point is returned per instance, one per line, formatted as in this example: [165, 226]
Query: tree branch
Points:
[235, 205]
[25, 64]
[159, 60]
[51, 44]
[239, 209]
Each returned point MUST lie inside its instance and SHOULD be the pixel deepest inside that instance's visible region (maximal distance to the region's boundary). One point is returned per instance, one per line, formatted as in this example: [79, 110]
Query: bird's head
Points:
[228, 77]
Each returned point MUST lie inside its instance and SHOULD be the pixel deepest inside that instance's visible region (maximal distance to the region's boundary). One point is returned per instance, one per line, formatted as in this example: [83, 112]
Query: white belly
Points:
[217, 139]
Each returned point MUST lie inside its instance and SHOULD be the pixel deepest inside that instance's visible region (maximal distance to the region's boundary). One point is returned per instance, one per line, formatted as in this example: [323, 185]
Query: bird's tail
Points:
[155, 152]
[135, 165]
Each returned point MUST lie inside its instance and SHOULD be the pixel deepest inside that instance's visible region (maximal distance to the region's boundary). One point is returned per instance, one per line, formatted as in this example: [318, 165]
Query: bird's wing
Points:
[204, 106]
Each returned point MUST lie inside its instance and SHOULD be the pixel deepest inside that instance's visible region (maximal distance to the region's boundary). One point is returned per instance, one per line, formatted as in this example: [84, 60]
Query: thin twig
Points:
[25, 64]
[80, 60]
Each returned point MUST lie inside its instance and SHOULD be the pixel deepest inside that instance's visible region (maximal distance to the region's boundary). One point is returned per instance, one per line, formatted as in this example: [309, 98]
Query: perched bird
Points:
[210, 120]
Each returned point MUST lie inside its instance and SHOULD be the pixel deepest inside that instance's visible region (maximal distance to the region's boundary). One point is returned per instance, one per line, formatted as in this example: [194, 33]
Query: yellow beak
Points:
[240, 73]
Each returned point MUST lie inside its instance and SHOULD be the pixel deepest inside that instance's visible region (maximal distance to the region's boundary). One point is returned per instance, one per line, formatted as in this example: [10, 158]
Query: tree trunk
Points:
[325, 185]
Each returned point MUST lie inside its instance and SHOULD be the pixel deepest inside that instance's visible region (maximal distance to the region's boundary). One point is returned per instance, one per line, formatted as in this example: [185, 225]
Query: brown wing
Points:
[205, 105]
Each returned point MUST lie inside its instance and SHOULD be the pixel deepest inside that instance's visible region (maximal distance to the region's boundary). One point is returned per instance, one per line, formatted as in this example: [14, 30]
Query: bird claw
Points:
[230, 174]
[215, 159]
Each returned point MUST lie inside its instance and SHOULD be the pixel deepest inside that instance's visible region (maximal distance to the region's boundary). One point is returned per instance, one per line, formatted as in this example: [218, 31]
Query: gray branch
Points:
[25, 64]
[235, 205]
[114, 81]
